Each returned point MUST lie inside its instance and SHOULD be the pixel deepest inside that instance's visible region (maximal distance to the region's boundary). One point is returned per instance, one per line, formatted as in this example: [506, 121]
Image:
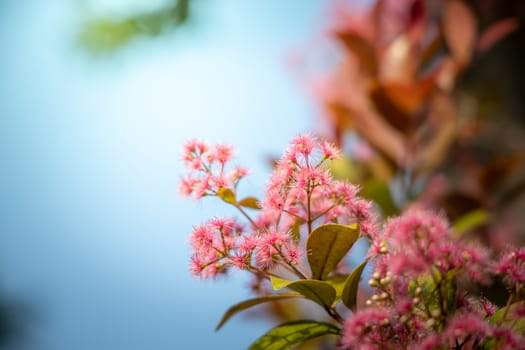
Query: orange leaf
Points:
[460, 30]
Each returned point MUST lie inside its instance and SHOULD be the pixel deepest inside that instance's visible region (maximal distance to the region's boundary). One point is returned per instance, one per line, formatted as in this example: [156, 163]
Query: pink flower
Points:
[186, 186]
[208, 173]
[218, 244]
[193, 147]
[512, 266]
[221, 153]
[303, 144]
[330, 151]
[293, 254]
[362, 329]
[463, 326]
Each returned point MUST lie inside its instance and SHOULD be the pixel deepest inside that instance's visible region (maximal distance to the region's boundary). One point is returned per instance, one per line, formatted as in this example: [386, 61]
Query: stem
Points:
[295, 270]
[254, 224]
[265, 274]
[308, 208]
[334, 314]
[507, 307]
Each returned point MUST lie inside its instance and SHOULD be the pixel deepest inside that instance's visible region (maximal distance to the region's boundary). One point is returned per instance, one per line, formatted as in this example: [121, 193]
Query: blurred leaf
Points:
[517, 324]
[459, 30]
[318, 291]
[327, 245]
[349, 295]
[390, 111]
[343, 168]
[291, 334]
[106, 35]
[379, 192]
[378, 132]
[399, 61]
[457, 204]
[471, 220]
[495, 32]
[435, 148]
[250, 202]
[429, 52]
[249, 303]
[362, 49]
[417, 21]
[499, 169]
[227, 195]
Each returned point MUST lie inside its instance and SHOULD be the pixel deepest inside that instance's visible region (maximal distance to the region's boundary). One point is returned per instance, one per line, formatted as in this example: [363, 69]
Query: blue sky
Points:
[93, 232]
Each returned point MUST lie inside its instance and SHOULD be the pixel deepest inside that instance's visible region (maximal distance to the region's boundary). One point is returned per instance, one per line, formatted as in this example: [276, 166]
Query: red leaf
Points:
[496, 32]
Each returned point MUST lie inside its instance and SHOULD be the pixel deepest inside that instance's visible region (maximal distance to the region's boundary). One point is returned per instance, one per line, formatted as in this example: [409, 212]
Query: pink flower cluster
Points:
[420, 301]
[301, 193]
[222, 243]
[207, 169]
[512, 266]
[424, 273]
[421, 241]
[302, 190]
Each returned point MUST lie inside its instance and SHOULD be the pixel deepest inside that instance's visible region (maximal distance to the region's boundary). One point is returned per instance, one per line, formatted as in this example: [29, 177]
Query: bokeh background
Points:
[93, 251]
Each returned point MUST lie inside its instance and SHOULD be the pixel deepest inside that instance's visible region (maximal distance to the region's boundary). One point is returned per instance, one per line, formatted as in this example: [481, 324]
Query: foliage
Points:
[419, 296]
[401, 85]
[397, 87]
[103, 35]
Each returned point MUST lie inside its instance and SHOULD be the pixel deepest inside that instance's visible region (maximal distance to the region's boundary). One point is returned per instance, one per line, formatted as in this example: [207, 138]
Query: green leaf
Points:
[517, 325]
[338, 282]
[471, 220]
[291, 334]
[227, 195]
[349, 295]
[318, 291]
[379, 192]
[106, 35]
[252, 302]
[344, 169]
[250, 202]
[327, 245]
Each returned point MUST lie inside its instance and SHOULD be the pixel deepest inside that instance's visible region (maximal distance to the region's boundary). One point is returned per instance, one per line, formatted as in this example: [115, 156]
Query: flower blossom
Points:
[207, 169]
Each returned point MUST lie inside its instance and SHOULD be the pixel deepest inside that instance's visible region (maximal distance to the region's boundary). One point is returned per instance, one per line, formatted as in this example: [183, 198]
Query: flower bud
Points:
[435, 313]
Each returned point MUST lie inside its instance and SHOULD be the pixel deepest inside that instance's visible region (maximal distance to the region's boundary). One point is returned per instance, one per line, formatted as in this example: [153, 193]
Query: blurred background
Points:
[93, 250]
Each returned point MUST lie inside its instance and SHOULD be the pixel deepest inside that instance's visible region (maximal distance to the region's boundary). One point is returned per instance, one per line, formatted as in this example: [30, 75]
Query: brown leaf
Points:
[442, 120]
[499, 169]
[362, 49]
[381, 135]
[386, 101]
